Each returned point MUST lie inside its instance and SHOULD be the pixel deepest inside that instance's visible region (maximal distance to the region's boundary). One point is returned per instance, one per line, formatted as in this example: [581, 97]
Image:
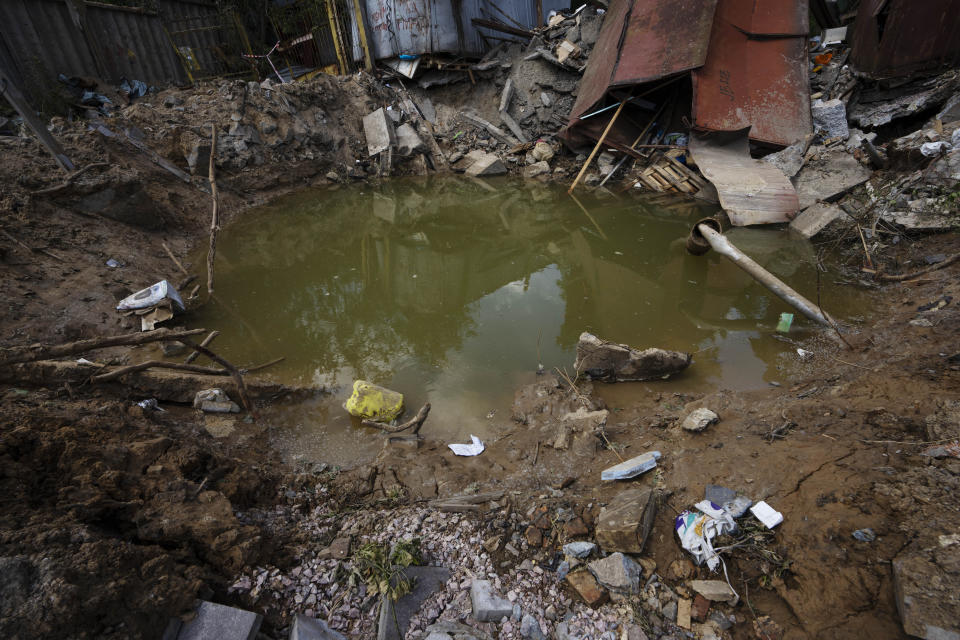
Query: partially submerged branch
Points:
[416, 422]
[41, 352]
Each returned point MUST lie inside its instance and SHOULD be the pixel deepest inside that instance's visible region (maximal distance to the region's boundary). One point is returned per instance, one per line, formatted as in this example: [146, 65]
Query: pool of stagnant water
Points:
[454, 291]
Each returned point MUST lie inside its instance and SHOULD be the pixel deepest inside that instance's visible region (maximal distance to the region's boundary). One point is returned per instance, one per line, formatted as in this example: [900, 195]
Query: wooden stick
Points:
[180, 266]
[416, 421]
[160, 364]
[907, 276]
[206, 341]
[264, 365]
[635, 142]
[70, 178]
[241, 387]
[215, 218]
[593, 153]
[29, 248]
[40, 352]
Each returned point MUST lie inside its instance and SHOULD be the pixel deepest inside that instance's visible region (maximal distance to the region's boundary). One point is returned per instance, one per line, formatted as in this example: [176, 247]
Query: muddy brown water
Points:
[453, 291]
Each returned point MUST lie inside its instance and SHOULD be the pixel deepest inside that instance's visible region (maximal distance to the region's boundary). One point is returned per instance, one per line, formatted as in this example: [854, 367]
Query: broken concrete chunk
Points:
[922, 588]
[835, 174]
[220, 622]
[378, 129]
[506, 95]
[790, 160]
[488, 165]
[684, 612]
[699, 419]
[602, 360]
[617, 572]
[625, 523]
[587, 587]
[578, 549]
[408, 142]
[831, 118]
[818, 218]
[305, 628]
[567, 49]
[488, 606]
[586, 421]
[536, 169]
[214, 401]
[715, 591]
[632, 467]
[542, 151]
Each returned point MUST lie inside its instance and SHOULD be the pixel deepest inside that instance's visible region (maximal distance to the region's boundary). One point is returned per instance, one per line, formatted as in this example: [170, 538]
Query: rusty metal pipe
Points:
[724, 247]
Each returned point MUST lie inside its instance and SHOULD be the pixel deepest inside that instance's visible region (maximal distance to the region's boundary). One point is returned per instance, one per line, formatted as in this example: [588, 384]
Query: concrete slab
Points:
[378, 128]
[220, 622]
[305, 628]
[816, 218]
[395, 616]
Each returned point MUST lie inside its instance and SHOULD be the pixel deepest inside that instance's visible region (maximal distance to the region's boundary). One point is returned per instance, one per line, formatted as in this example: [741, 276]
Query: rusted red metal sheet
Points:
[894, 38]
[756, 79]
[643, 40]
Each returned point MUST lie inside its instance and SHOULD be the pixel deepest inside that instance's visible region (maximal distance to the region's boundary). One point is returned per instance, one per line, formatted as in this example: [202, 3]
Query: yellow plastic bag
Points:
[373, 402]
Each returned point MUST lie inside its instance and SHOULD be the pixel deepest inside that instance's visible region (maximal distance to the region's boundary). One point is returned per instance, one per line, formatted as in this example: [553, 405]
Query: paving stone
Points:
[220, 622]
[817, 218]
[488, 606]
[625, 523]
[306, 628]
[395, 616]
[701, 606]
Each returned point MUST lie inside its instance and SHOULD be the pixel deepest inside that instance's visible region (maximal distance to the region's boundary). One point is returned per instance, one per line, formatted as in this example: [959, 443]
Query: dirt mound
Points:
[112, 520]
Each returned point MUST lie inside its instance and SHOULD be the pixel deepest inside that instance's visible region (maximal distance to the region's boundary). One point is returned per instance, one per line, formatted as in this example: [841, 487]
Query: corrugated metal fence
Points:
[40, 39]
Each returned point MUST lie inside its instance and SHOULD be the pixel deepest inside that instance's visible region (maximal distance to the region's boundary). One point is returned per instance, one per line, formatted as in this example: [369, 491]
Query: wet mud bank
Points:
[116, 517]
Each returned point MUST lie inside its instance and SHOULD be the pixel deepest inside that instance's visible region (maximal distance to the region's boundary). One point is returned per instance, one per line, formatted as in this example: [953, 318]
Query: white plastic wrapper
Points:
[697, 529]
[475, 448]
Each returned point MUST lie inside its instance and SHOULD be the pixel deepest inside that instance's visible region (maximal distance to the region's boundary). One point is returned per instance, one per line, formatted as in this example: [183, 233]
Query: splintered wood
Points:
[666, 173]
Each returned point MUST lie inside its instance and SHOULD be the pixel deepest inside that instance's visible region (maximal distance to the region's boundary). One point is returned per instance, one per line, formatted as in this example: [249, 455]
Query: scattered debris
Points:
[488, 606]
[865, 535]
[215, 401]
[617, 573]
[697, 529]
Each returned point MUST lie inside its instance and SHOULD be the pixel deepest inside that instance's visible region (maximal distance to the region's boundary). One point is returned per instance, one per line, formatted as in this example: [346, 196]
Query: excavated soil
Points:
[114, 518]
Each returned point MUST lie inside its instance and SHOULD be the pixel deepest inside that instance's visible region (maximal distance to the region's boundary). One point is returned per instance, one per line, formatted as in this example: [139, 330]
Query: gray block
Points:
[378, 129]
[395, 616]
[220, 622]
[487, 605]
[305, 628]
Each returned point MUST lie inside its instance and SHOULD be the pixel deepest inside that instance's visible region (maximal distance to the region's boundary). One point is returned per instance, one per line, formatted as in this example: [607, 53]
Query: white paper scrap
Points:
[475, 448]
[766, 514]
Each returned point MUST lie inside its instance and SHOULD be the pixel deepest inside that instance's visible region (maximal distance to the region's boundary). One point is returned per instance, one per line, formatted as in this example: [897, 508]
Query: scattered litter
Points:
[697, 530]
[865, 535]
[803, 354]
[934, 149]
[632, 467]
[151, 296]
[475, 448]
[113, 264]
[786, 319]
[766, 514]
[86, 362]
[150, 403]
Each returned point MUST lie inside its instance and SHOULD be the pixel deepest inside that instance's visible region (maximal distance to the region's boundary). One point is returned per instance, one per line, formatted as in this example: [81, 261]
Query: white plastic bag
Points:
[697, 529]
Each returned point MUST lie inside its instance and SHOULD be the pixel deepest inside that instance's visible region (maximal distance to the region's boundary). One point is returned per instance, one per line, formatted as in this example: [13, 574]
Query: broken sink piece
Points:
[631, 468]
[766, 514]
[151, 296]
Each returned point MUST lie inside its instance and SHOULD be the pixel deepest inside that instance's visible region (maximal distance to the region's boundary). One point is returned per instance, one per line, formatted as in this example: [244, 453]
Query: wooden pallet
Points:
[666, 173]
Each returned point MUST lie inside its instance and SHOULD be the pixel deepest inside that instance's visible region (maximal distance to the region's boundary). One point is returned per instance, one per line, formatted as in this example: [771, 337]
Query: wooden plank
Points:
[16, 99]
